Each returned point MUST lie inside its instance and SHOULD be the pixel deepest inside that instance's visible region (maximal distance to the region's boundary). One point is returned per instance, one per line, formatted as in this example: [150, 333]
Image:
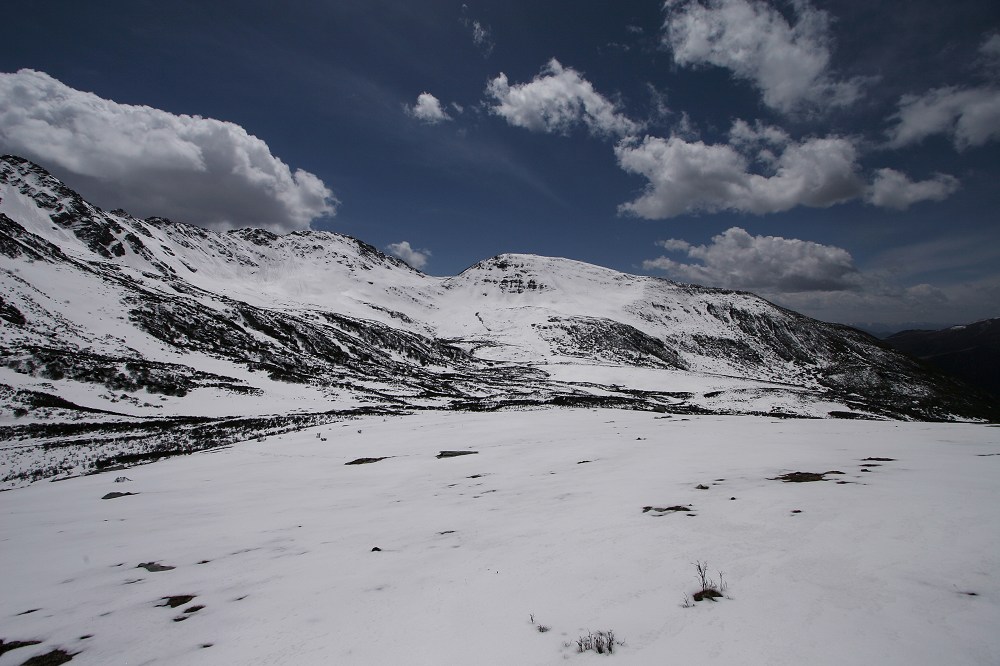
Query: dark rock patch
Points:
[666, 509]
[153, 567]
[803, 477]
[878, 460]
[193, 609]
[53, 658]
[376, 549]
[28, 612]
[116, 495]
[583, 462]
[453, 454]
[365, 461]
[701, 486]
[711, 595]
[7, 646]
[175, 601]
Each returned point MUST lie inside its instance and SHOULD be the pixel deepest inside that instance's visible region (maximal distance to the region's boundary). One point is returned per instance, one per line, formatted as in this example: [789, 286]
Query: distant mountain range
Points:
[126, 339]
[970, 352]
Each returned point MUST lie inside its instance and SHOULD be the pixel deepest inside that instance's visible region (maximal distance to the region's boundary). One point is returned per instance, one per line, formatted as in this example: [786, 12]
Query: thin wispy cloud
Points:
[481, 33]
[197, 170]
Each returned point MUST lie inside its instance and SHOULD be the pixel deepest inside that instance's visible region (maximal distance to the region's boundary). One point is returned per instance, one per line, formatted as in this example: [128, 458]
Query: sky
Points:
[841, 158]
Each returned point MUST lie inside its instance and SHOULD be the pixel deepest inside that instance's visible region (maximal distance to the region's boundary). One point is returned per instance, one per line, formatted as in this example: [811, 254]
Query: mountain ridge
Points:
[152, 319]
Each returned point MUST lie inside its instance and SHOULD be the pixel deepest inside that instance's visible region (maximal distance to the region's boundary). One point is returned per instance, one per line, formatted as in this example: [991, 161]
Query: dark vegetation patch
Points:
[667, 509]
[803, 477]
[149, 440]
[709, 594]
[115, 373]
[153, 567]
[116, 495]
[453, 454]
[177, 600]
[53, 658]
[7, 646]
[366, 461]
[837, 414]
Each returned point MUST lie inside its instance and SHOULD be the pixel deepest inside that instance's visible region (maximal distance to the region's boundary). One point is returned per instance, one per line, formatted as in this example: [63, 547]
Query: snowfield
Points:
[543, 527]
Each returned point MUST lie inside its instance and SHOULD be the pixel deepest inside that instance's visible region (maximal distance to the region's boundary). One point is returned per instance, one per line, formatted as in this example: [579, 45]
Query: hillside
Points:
[970, 352]
[127, 339]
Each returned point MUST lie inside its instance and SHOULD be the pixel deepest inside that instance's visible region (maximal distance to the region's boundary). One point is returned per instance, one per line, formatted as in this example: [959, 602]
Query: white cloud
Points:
[152, 162]
[788, 63]
[737, 260]
[970, 116]
[691, 176]
[892, 189]
[416, 258]
[428, 109]
[822, 281]
[556, 101]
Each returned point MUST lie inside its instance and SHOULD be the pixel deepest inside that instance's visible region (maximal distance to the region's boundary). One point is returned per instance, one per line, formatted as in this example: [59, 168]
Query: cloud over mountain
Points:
[787, 62]
[734, 259]
[197, 170]
[692, 176]
[403, 250]
[557, 100]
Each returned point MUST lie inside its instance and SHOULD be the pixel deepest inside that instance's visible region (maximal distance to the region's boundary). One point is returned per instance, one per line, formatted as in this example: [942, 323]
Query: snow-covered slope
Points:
[263, 553]
[150, 325]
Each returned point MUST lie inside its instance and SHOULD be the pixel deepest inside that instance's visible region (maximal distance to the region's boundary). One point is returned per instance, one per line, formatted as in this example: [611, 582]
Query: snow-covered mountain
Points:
[152, 336]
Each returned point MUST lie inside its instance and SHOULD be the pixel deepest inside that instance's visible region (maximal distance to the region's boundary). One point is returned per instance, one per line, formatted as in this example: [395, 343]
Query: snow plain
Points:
[275, 541]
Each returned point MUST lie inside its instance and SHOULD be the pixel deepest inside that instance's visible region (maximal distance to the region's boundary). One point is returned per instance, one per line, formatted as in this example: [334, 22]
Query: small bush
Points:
[710, 589]
[601, 642]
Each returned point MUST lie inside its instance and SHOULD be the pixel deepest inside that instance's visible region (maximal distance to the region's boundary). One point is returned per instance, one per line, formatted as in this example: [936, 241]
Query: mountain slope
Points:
[970, 352]
[140, 326]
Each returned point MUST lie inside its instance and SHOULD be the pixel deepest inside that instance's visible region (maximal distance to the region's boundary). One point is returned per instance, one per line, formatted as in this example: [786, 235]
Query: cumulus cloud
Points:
[403, 250]
[428, 109]
[824, 282]
[788, 63]
[734, 259]
[193, 169]
[691, 176]
[892, 189]
[970, 116]
[555, 101]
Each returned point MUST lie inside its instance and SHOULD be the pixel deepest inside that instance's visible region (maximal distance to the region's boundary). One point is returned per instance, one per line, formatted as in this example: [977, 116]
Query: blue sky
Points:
[839, 158]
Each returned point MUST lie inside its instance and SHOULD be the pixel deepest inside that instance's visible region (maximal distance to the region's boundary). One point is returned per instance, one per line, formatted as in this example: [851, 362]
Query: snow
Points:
[275, 540]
